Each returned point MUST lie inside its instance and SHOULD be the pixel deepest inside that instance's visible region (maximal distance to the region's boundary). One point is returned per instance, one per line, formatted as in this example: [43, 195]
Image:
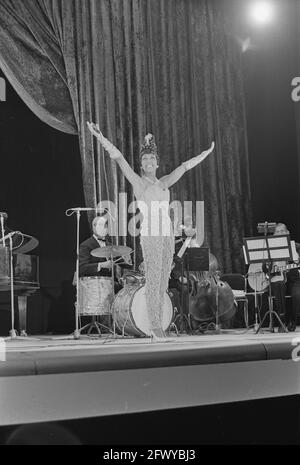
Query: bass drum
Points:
[129, 312]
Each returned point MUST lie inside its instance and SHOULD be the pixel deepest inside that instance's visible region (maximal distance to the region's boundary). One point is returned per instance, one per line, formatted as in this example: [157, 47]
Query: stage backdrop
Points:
[170, 67]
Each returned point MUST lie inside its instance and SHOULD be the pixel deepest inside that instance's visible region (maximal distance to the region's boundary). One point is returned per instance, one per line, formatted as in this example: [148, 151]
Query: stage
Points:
[49, 378]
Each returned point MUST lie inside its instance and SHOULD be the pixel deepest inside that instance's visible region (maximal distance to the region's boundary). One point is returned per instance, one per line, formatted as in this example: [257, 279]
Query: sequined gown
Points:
[157, 242]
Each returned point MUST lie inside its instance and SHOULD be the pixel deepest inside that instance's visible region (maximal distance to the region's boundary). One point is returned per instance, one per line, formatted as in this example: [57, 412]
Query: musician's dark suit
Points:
[88, 264]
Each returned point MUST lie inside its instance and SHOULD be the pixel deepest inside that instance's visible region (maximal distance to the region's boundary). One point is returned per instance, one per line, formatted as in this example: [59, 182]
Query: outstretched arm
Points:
[173, 177]
[115, 154]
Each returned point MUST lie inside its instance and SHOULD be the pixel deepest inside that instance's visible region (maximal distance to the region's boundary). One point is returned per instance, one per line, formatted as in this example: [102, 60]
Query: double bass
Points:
[209, 297]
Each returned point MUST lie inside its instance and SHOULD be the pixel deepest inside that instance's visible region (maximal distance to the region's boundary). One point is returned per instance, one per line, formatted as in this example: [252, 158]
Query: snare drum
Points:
[129, 311]
[133, 278]
[95, 295]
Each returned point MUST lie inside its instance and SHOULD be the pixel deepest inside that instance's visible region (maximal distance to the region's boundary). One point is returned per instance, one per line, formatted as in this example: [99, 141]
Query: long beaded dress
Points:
[157, 242]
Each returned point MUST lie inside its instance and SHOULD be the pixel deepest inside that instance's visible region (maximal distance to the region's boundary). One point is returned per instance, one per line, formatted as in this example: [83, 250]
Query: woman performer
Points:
[157, 249]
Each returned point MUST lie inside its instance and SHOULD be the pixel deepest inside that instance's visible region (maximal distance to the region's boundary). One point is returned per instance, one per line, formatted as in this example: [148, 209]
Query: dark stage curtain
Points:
[170, 67]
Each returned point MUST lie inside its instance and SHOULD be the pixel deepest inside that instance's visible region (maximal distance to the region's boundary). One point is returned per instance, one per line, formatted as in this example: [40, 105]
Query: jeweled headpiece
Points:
[149, 146]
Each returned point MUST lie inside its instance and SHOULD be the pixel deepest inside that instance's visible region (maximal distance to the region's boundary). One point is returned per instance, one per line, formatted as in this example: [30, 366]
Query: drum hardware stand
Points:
[94, 324]
[173, 325]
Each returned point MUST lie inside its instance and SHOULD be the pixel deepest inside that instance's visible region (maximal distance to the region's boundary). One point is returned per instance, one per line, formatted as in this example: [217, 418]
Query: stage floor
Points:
[32, 354]
[50, 378]
[225, 337]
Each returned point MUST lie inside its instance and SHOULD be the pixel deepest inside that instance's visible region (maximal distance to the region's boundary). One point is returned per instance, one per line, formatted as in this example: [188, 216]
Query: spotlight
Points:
[262, 12]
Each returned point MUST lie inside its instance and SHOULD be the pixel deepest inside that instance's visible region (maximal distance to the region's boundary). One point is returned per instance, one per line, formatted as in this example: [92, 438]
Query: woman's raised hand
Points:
[106, 144]
[199, 158]
[205, 153]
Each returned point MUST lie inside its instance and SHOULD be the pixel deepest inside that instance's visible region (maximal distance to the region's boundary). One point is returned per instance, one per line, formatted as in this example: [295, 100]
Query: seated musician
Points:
[286, 283]
[97, 266]
[88, 264]
[205, 290]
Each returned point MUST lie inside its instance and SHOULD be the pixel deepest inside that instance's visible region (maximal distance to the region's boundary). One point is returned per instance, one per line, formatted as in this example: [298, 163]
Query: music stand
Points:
[265, 250]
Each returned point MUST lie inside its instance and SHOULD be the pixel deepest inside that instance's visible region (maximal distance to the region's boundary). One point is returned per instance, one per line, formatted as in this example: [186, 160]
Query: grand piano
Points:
[25, 270]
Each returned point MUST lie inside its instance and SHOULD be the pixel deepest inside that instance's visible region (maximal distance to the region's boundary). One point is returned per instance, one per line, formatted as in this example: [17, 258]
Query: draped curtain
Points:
[170, 67]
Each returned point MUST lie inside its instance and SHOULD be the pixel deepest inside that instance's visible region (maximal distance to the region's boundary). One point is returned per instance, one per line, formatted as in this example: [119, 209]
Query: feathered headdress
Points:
[149, 146]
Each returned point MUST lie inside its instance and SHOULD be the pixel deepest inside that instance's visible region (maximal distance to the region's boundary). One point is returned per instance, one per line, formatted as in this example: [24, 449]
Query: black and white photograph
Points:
[149, 226]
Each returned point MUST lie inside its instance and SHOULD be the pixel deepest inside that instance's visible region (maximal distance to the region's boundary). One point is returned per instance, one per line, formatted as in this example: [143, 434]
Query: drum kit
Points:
[127, 309]
[125, 312]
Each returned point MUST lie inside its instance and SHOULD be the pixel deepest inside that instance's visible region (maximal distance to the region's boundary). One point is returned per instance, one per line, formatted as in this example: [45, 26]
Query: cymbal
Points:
[111, 251]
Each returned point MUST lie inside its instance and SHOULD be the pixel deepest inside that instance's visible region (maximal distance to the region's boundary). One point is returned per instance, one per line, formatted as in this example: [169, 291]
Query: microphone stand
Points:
[2, 229]
[112, 308]
[76, 331]
[76, 334]
[13, 333]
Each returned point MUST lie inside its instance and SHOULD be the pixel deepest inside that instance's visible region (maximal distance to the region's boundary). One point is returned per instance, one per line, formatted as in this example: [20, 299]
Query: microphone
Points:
[83, 209]
[13, 233]
[70, 211]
